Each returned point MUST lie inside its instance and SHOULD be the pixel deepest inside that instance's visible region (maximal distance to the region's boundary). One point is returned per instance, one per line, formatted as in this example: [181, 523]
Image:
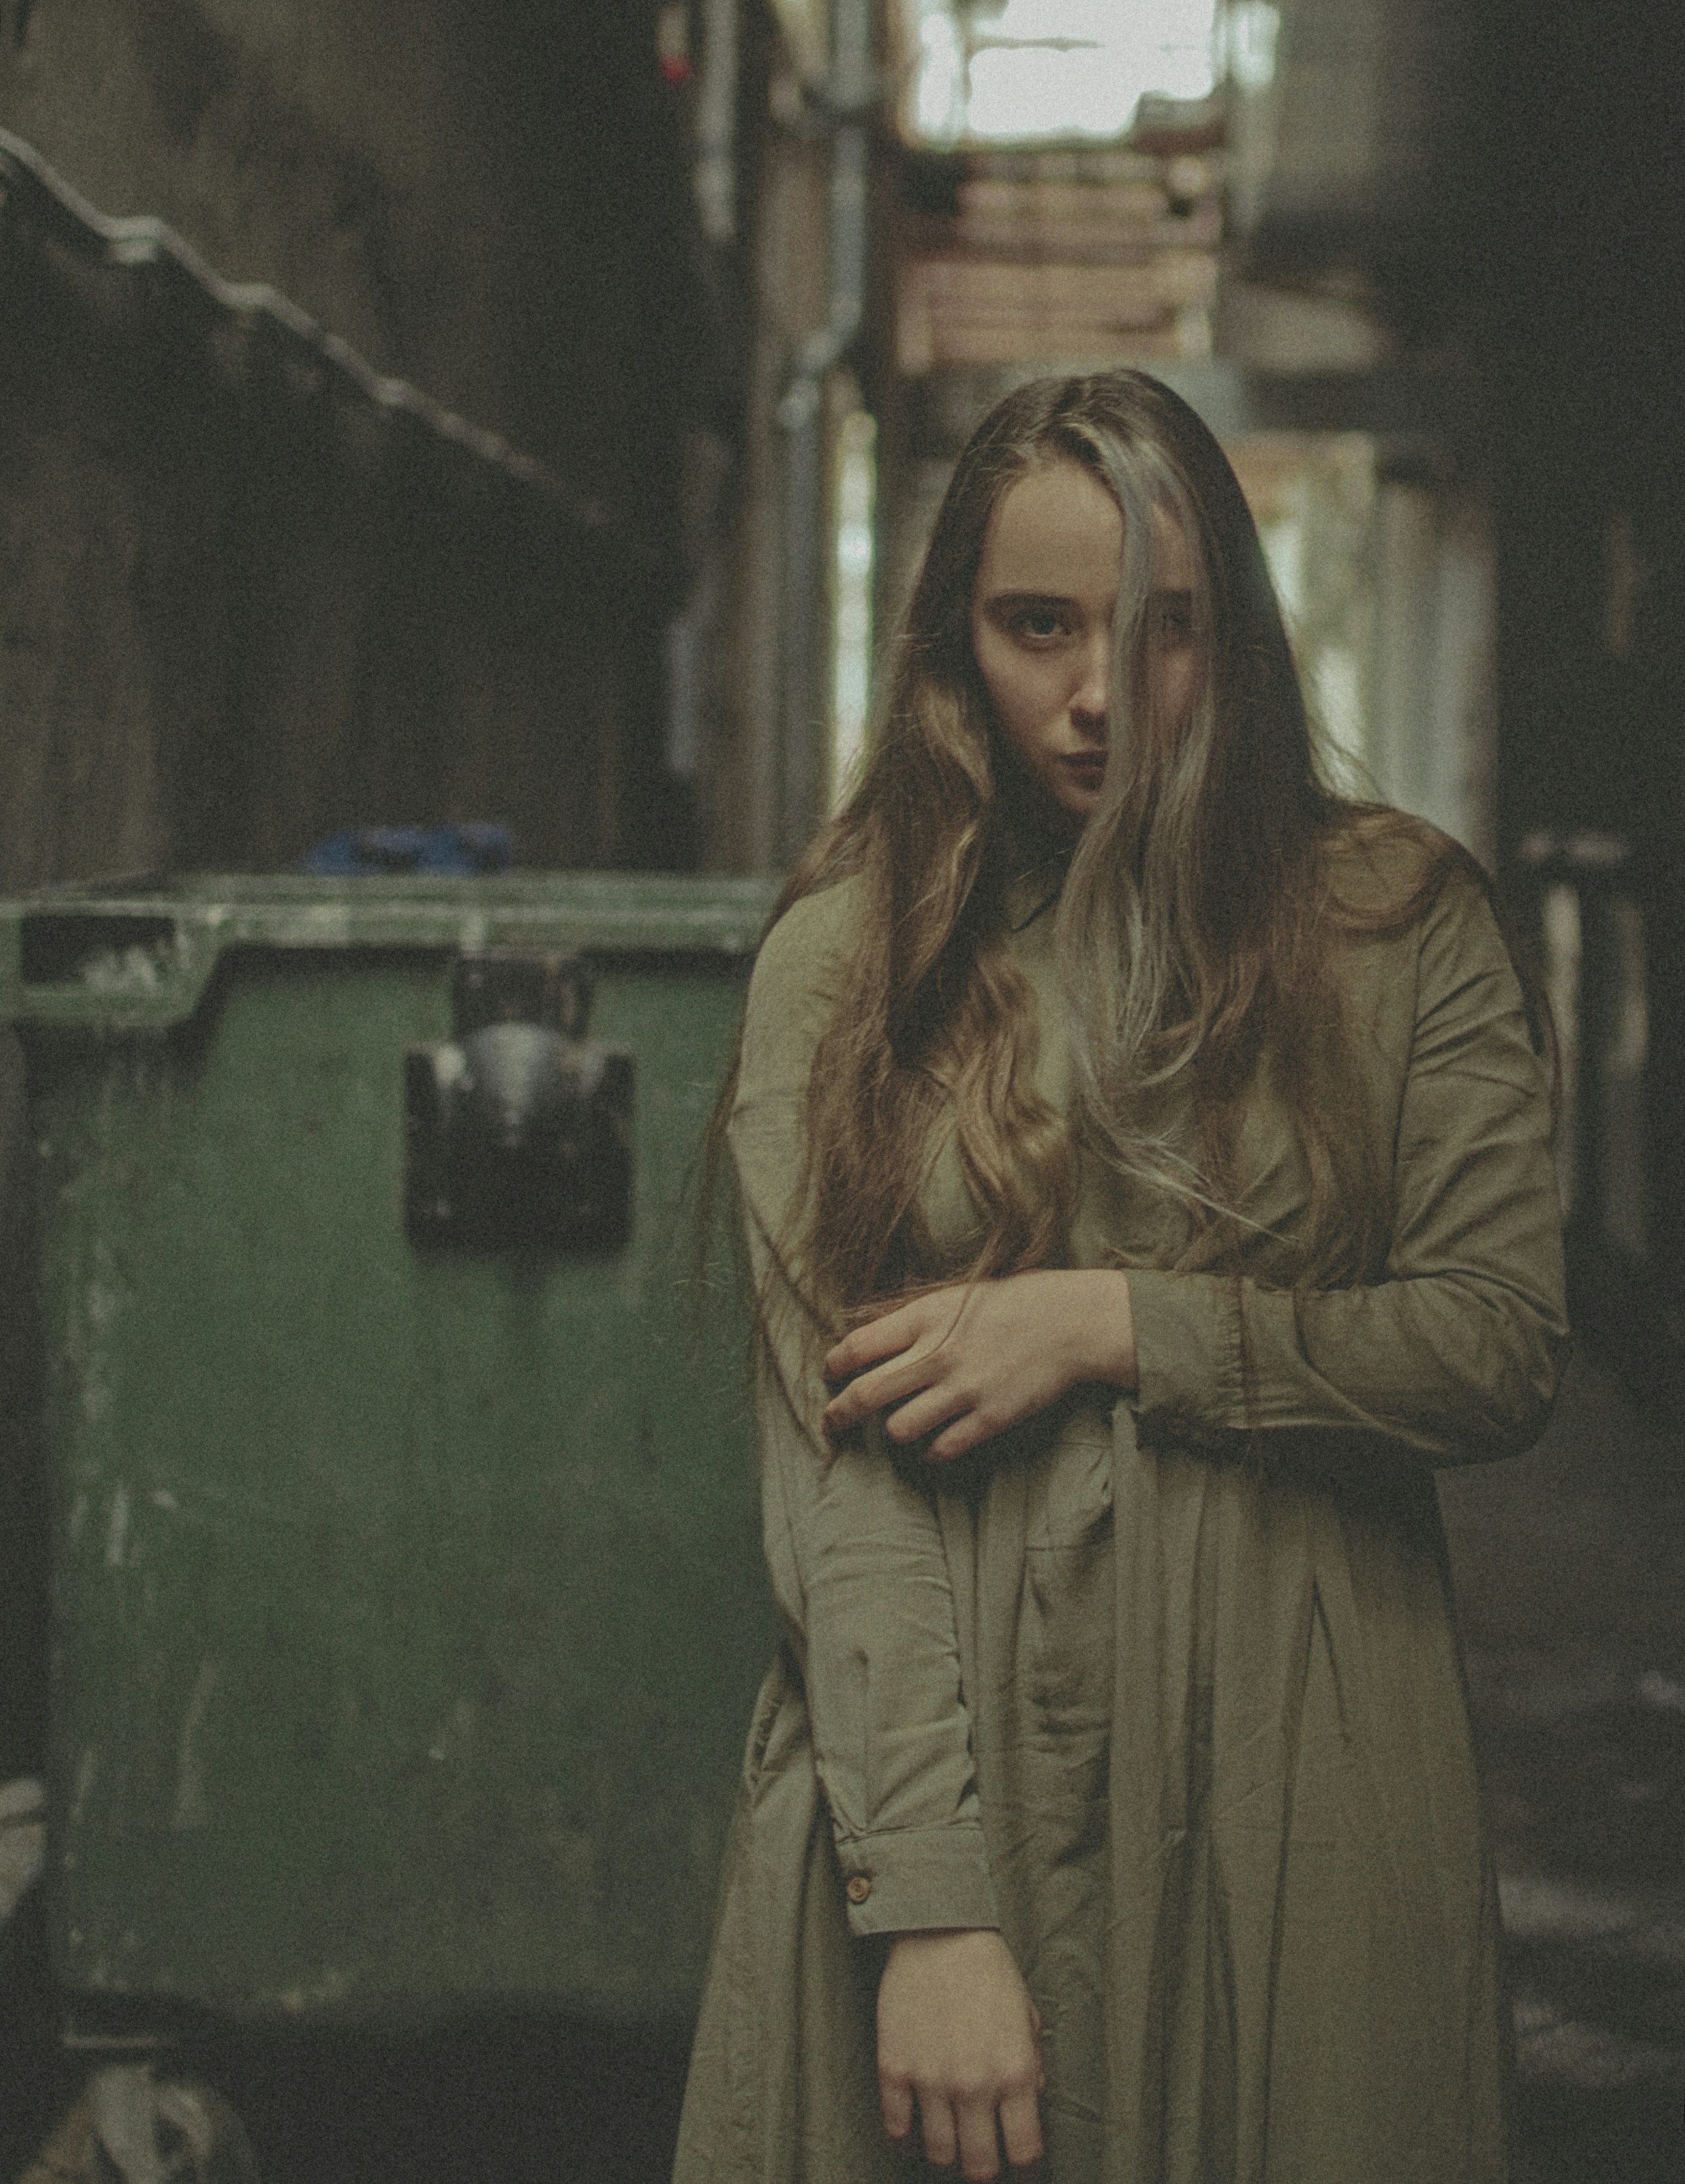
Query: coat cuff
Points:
[904, 1881]
[1188, 1359]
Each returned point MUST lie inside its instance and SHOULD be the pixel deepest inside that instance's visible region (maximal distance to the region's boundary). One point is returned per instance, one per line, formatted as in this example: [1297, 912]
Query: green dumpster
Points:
[407, 1604]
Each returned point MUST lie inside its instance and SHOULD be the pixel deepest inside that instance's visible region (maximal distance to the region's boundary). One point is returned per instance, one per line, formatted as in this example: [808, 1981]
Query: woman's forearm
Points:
[1102, 1324]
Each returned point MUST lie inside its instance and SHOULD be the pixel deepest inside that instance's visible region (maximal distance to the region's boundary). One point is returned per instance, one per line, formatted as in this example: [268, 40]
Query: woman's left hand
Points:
[976, 1358]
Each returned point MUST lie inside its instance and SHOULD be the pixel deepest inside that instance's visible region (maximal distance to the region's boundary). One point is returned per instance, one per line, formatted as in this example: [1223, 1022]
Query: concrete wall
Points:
[1579, 317]
[237, 614]
[1349, 161]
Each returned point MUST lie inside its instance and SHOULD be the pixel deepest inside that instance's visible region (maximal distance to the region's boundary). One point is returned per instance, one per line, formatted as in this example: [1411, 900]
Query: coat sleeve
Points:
[854, 1546]
[1456, 1353]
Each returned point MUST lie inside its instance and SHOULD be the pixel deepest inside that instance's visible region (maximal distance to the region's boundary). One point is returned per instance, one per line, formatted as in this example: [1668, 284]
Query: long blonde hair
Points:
[1194, 924]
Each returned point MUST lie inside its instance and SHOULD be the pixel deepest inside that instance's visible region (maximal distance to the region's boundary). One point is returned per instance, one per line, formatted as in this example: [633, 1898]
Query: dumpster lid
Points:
[137, 955]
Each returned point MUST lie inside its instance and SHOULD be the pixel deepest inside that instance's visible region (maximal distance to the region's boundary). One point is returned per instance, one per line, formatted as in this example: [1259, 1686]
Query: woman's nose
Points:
[1089, 700]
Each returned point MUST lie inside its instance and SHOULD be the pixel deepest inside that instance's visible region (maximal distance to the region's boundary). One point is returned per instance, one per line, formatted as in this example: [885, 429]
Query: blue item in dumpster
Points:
[459, 851]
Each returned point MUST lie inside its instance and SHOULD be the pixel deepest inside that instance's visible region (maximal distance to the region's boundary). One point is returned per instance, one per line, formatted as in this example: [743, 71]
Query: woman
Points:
[1144, 1156]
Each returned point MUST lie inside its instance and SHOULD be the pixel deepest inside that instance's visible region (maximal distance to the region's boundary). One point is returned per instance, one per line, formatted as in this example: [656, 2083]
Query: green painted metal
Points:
[407, 1605]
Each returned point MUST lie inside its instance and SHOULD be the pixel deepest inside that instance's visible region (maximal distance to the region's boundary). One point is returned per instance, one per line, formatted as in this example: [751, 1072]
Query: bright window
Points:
[1032, 71]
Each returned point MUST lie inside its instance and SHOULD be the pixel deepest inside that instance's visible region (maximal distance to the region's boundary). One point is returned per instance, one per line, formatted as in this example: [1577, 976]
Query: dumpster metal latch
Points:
[517, 1131]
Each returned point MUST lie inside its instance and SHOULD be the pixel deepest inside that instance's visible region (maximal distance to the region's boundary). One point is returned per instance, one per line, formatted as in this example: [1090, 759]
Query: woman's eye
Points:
[1039, 622]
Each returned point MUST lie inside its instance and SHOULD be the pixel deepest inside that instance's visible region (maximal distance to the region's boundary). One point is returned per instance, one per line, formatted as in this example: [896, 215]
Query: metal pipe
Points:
[716, 171]
[801, 418]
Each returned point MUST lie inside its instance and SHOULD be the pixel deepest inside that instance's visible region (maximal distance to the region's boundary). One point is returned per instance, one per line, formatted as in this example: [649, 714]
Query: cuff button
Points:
[859, 1889]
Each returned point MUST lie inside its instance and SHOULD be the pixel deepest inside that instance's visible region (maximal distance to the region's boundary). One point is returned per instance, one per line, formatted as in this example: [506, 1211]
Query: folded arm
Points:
[1456, 1353]
[1453, 1354]
[854, 1546]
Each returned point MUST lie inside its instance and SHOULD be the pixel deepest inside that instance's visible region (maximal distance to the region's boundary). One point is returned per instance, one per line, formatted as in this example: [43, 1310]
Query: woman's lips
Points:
[1086, 766]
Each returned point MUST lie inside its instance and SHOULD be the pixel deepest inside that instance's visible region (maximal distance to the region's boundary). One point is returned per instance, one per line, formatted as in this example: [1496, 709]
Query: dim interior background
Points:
[417, 413]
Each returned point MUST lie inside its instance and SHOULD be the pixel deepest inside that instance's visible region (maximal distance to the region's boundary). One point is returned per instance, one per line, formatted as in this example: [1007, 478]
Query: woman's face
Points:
[1042, 628]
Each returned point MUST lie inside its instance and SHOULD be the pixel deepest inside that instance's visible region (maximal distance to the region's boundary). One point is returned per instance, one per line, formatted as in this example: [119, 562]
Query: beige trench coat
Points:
[1188, 1728]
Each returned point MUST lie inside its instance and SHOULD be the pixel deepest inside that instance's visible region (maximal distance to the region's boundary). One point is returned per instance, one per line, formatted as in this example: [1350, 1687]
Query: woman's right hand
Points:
[956, 2028]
